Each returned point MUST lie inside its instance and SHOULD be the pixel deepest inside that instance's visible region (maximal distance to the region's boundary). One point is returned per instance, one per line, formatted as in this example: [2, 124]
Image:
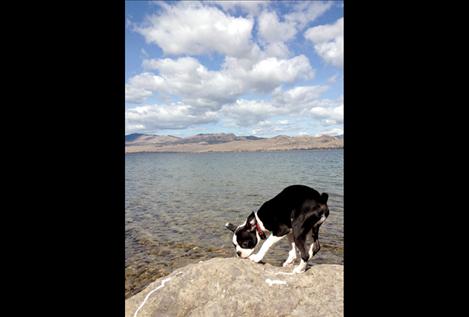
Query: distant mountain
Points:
[142, 139]
[226, 142]
[250, 137]
[133, 137]
[209, 138]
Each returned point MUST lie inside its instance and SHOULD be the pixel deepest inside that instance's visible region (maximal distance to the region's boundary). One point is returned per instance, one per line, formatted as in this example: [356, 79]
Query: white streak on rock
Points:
[272, 282]
[284, 273]
[148, 295]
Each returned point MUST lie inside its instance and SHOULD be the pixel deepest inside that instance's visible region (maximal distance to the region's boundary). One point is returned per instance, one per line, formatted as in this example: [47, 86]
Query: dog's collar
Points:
[259, 230]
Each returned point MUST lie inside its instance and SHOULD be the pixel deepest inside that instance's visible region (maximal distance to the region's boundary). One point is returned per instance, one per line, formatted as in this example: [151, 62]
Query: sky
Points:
[259, 68]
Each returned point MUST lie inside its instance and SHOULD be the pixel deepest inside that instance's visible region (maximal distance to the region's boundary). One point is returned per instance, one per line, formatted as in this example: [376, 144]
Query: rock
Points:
[239, 287]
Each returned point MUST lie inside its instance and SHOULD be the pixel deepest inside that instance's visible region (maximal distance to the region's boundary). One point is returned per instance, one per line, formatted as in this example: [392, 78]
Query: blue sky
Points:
[249, 68]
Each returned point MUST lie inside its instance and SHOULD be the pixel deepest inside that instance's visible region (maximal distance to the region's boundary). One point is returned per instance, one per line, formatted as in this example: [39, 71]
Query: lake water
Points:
[176, 205]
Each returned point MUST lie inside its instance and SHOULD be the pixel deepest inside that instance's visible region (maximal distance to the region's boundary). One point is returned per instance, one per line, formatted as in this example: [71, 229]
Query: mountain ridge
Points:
[226, 142]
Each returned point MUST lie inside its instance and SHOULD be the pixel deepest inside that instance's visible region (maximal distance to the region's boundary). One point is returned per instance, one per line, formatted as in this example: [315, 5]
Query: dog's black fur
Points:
[298, 209]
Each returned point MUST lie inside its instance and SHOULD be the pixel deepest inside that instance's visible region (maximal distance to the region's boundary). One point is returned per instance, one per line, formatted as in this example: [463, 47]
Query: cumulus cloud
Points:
[261, 64]
[249, 112]
[173, 116]
[146, 81]
[328, 41]
[250, 7]
[136, 95]
[194, 28]
[274, 33]
[195, 84]
[295, 101]
[271, 72]
[329, 116]
[332, 132]
[298, 98]
[268, 127]
[305, 12]
[272, 30]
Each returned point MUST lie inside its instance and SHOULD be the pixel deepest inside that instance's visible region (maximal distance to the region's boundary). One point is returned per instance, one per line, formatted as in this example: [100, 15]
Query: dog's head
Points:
[245, 237]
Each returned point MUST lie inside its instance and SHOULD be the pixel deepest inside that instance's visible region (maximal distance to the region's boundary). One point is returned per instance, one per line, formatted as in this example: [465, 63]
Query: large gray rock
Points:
[237, 287]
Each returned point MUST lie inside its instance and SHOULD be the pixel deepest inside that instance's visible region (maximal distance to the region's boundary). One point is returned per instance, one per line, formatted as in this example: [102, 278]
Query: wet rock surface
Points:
[236, 287]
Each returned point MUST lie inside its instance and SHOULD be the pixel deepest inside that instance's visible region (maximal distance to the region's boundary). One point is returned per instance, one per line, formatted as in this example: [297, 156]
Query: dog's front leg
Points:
[271, 240]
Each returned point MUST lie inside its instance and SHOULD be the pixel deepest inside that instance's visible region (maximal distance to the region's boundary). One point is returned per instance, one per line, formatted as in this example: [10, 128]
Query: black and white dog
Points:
[296, 212]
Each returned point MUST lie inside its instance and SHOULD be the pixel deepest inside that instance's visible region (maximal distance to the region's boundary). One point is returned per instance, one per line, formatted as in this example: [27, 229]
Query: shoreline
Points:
[236, 151]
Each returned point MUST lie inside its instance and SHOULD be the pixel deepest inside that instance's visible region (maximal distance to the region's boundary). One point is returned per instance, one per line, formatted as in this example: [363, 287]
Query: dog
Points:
[295, 212]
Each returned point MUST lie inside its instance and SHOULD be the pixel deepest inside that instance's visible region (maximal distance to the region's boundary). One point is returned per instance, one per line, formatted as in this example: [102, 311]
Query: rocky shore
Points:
[236, 287]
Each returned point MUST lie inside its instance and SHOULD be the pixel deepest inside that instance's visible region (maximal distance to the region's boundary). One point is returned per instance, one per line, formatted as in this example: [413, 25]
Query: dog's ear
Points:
[324, 197]
[251, 221]
[230, 226]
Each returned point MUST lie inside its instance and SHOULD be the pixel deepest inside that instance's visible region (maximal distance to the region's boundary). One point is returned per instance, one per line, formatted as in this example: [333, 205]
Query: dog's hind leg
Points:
[300, 243]
[315, 245]
[292, 253]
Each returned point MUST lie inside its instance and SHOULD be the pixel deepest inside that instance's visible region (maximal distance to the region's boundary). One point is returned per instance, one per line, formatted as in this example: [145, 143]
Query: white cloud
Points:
[298, 98]
[329, 116]
[332, 132]
[146, 81]
[277, 49]
[189, 93]
[136, 95]
[249, 112]
[272, 30]
[250, 7]
[271, 72]
[305, 12]
[328, 41]
[296, 101]
[208, 94]
[173, 116]
[267, 127]
[274, 33]
[185, 77]
[194, 28]
[332, 79]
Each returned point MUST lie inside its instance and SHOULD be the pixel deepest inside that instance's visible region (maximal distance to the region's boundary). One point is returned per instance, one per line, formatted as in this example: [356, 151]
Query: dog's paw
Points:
[255, 258]
[288, 262]
[298, 270]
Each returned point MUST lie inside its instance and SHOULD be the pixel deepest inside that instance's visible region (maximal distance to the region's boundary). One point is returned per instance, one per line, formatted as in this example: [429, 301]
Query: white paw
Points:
[298, 269]
[288, 262]
[255, 258]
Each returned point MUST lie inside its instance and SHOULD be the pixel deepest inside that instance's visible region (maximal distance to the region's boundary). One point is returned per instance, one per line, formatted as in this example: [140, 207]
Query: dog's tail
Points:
[323, 201]
[324, 197]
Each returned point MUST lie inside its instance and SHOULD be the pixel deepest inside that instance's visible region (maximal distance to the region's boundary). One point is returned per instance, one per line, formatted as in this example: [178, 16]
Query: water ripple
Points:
[177, 204]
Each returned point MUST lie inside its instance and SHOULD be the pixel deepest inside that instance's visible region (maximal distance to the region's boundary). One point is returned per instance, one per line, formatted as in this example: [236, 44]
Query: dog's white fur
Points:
[300, 268]
[292, 253]
[271, 240]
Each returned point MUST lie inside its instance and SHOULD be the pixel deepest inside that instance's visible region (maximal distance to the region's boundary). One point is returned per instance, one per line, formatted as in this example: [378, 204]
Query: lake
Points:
[176, 205]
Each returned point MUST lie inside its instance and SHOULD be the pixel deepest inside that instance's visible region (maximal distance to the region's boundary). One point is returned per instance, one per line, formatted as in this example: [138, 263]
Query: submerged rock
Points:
[237, 287]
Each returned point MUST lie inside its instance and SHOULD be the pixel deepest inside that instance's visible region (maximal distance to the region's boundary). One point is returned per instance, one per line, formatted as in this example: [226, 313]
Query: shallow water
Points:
[176, 205]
